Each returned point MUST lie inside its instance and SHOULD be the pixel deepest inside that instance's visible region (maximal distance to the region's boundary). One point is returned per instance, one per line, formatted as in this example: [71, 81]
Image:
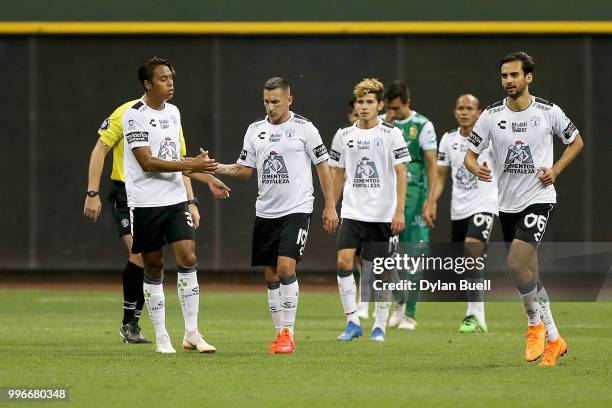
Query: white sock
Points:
[189, 296]
[531, 306]
[382, 314]
[274, 301]
[348, 292]
[289, 292]
[551, 329]
[154, 297]
[363, 307]
[476, 309]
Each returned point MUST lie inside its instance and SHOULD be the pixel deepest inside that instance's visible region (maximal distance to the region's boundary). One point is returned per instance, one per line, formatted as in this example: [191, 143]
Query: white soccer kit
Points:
[282, 155]
[159, 130]
[369, 157]
[520, 142]
[469, 195]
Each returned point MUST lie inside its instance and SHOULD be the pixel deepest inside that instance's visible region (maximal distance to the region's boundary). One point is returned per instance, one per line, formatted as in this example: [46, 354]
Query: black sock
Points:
[133, 297]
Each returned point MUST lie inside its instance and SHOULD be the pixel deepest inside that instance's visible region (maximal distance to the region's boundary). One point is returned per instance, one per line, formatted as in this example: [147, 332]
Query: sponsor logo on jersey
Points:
[135, 137]
[567, 133]
[262, 135]
[535, 121]
[152, 123]
[363, 144]
[518, 127]
[401, 152]
[519, 159]
[465, 180]
[334, 155]
[366, 174]
[130, 122]
[105, 124]
[319, 151]
[502, 124]
[274, 170]
[474, 139]
[243, 154]
[164, 123]
[167, 150]
[350, 143]
[275, 137]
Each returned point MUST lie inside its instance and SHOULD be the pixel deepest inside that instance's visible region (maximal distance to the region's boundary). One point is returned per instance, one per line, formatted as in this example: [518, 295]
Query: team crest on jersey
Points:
[519, 159]
[173, 119]
[412, 133]
[289, 133]
[167, 150]
[466, 180]
[105, 124]
[535, 121]
[274, 170]
[366, 174]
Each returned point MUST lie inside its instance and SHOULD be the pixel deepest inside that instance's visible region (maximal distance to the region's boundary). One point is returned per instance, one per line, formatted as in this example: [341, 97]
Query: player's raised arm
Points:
[93, 205]
[330, 216]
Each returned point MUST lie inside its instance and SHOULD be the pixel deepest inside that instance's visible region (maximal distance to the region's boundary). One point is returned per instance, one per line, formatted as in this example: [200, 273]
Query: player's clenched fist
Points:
[548, 176]
[484, 173]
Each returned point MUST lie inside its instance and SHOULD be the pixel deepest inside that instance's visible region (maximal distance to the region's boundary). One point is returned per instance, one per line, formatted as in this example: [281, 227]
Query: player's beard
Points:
[519, 91]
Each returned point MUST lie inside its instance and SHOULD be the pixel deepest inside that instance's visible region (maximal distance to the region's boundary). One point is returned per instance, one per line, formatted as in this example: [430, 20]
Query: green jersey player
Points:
[420, 136]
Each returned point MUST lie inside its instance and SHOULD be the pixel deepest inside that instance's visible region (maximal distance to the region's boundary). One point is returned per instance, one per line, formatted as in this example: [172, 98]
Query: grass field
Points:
[70, 338]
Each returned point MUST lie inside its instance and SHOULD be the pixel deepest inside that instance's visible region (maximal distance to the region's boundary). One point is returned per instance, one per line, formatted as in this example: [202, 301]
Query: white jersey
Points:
[520, 143]
[282, 155]
[369, 157]
[470, 195]
[159, 130]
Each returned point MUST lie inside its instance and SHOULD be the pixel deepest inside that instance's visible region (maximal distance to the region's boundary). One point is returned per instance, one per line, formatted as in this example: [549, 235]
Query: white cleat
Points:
[194, 341]
[407, 323]
[397, 315]
[163, 345]
[362, 310]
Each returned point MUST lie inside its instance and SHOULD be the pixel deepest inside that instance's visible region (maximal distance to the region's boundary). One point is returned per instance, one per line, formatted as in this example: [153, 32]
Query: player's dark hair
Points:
[145, 72]
[275, 83]
[397, 89]
[527, 60]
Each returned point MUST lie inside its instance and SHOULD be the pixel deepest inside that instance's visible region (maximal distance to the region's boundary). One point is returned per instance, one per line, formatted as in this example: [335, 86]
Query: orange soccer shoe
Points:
[284, 343]
[553, 350]
[536, 338]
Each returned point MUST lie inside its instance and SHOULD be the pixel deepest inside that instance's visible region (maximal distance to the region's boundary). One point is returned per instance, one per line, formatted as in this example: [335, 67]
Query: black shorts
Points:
[477, 226]
[154, 227]
[353, 233]
[283, 236]
[528, 225]
[117, 197]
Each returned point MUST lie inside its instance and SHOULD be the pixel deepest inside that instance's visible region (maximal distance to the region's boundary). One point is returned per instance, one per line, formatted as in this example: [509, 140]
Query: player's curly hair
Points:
[369, 85]
[145, 71]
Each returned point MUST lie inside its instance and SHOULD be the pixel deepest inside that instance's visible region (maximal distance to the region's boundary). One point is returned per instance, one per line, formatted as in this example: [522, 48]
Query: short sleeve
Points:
[247, 156]
[314, 145]
[183, 145]
[111, 129]
[478, 140]
[427, 138]
[335, 153]
[399, 147]
[443, 152]
[562, 126]
[134, 130]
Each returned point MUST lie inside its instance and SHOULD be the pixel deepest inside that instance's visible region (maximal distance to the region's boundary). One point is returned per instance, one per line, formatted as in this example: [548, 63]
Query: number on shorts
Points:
[394, 244]
[539, 221]
[301, 239]
[189, 219]
[480, 220]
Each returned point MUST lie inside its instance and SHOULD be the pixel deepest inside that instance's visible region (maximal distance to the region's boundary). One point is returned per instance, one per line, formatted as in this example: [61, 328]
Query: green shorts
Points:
[416, 230]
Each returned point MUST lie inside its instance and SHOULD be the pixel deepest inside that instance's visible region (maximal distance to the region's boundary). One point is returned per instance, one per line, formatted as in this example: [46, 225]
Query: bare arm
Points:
[200, 163]
[216, 186]
[235, 170]
[93, 205]
[338, 181]
[193, 208]
[569, 154]
[330, 217]
[471, 163]
[398, 223]
[429, 213]
[431, 159]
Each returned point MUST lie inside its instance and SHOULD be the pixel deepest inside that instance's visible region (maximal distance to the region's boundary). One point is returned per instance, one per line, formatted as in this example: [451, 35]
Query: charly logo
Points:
[274, 170]
[519, 159]
[366, 174]
[167, 150]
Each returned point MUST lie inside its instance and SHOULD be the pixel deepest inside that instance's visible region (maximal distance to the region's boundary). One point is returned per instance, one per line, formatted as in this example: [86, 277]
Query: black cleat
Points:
[130, 333]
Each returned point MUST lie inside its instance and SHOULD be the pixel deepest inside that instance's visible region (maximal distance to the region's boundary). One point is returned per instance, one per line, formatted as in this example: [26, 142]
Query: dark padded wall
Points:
[61, 88]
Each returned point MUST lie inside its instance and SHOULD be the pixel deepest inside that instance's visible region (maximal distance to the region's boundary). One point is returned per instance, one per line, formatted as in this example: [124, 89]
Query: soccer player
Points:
[111, 138]
[420, 136]
[520, 130]
[473, 202]
[372, 155]
[157, 200]
[280, 148]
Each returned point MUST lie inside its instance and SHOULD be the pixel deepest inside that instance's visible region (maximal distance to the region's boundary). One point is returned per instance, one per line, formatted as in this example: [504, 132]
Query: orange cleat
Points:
[284, 343]
[536, 338]
[553, 350]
